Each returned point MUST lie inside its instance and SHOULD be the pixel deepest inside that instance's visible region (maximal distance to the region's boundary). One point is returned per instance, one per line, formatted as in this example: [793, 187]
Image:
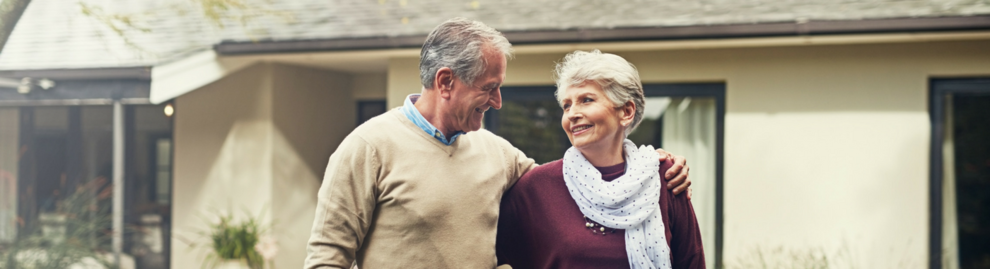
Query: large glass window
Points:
[962, 152]
[56, 174]
[681, 118]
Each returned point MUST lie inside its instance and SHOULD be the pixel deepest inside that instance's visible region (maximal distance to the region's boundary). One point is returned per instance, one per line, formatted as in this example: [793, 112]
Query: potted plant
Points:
[239, 245]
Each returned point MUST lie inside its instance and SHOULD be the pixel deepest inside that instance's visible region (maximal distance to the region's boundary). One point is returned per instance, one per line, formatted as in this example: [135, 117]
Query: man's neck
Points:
[428, 105]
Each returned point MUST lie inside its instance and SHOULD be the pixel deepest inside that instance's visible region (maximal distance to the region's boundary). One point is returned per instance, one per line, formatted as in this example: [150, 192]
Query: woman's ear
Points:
[627, 113]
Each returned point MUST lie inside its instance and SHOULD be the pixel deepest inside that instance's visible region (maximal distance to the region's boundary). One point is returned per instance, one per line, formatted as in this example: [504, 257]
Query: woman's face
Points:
[591, 120]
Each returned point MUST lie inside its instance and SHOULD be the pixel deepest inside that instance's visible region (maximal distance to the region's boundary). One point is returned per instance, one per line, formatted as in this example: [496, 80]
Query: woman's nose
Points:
[573, 116]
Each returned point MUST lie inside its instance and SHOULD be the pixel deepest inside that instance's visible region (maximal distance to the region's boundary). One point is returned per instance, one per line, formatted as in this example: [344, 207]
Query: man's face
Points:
[469, 102]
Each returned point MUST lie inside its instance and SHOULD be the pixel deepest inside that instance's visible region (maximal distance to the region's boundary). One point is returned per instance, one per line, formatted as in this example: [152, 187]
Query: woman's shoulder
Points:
[541, 174]
[553, 168]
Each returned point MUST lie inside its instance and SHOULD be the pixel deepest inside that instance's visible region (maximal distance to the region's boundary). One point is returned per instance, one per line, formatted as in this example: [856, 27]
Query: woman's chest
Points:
[558, 228]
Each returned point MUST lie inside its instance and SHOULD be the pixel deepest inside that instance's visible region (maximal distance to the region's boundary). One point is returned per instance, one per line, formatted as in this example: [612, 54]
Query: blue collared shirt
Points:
[413, 114]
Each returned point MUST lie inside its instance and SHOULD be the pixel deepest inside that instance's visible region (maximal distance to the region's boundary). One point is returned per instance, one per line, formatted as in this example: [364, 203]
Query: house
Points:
[813, 129]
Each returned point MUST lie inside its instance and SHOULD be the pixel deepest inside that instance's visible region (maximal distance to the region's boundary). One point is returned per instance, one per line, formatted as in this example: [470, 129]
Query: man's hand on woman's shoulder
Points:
[678, 173]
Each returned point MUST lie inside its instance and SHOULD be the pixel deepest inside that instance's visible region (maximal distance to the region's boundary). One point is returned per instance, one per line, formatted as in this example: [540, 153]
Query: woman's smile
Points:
[580, 129]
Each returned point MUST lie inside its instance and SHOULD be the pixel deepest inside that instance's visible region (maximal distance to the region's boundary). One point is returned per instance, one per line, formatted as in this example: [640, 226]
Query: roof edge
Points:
[134, 72]
[797, 28]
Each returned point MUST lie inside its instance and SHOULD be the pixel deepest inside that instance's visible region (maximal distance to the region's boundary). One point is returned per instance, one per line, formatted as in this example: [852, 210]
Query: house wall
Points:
[256, 141]
[313, 112]
[826, 146]
[403, 80]
[223, 159]
[370, 86]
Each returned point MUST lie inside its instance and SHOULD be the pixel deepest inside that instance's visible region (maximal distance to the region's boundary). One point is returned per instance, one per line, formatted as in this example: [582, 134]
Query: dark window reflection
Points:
[370, 109]
[530, 120]
[972, 154]
[533, 126]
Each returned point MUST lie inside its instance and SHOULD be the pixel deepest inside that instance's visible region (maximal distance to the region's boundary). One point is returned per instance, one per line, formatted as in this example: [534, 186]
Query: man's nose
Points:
[496, 99]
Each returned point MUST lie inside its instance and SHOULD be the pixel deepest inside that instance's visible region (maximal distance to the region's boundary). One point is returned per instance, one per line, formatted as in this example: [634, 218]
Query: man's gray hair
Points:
[618, 78]
[459, 43]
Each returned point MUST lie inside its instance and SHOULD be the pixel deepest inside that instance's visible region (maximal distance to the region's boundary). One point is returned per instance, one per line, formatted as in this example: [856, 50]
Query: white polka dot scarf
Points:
[630, 202]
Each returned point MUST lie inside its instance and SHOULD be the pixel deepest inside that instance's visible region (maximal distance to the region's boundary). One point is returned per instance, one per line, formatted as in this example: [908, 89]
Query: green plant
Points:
[232, 241]
[85, 217]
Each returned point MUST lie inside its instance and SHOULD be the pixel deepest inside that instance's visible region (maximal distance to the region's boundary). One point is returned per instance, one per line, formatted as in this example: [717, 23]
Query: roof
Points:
[363, 18]
[54, 35]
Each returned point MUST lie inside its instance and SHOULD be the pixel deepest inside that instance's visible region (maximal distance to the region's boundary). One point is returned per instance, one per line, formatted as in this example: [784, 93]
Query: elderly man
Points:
[411, 188]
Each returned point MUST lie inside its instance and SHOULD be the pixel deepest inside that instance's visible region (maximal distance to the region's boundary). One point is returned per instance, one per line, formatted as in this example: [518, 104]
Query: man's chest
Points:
[443, 190]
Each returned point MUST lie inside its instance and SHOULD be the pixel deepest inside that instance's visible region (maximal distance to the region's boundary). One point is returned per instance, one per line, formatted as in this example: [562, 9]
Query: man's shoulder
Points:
[486, 136]
[380, 127]
[374, 133]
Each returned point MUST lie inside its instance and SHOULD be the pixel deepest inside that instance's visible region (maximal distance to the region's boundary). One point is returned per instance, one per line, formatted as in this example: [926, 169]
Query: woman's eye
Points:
[566, 106]
[587, 100]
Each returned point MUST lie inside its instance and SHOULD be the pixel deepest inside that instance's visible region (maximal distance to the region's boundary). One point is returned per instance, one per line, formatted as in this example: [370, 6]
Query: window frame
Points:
[712, 90]
[939, 88]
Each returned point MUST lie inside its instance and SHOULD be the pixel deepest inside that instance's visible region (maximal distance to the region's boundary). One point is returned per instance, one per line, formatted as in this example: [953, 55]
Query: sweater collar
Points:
[409, 109]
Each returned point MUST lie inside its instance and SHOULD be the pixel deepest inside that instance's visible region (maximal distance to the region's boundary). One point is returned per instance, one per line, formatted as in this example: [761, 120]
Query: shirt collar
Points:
[409, 109]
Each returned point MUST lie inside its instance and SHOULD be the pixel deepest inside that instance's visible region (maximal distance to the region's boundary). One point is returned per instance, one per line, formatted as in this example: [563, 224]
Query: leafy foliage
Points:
[235, 241]
[87, 219]
[534, 127]
[781, 258]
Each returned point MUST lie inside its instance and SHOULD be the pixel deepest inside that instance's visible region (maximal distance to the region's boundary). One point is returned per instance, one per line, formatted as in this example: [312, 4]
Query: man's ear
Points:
[627, 113]
[444, 82]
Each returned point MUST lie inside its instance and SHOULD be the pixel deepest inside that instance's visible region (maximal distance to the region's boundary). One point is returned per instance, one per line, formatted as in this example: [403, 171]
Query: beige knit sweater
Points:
[395, 197]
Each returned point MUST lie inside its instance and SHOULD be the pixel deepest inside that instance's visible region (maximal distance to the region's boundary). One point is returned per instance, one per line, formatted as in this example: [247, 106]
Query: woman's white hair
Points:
[459, 44]
[618, 78]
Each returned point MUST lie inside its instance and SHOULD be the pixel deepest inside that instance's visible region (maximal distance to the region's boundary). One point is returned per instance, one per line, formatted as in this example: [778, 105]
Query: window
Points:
[682, 118]
[960, 173]
[56, 174]
[370, 109]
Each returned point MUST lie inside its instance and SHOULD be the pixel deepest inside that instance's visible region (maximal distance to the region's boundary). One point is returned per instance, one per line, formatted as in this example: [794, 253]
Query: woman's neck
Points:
[604, 156]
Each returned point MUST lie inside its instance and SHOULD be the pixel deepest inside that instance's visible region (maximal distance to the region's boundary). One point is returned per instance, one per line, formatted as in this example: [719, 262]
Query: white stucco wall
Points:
[370, 86]
[223, 156]
[256, 141]
[826, 146]
[313, 112]
[403, 79]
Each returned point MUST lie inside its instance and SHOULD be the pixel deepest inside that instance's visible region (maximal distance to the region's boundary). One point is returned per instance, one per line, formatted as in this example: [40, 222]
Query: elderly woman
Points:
[605, 204]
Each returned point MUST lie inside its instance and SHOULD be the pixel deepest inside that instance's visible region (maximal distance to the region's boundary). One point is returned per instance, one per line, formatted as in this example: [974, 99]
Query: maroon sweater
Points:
[540, 226]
